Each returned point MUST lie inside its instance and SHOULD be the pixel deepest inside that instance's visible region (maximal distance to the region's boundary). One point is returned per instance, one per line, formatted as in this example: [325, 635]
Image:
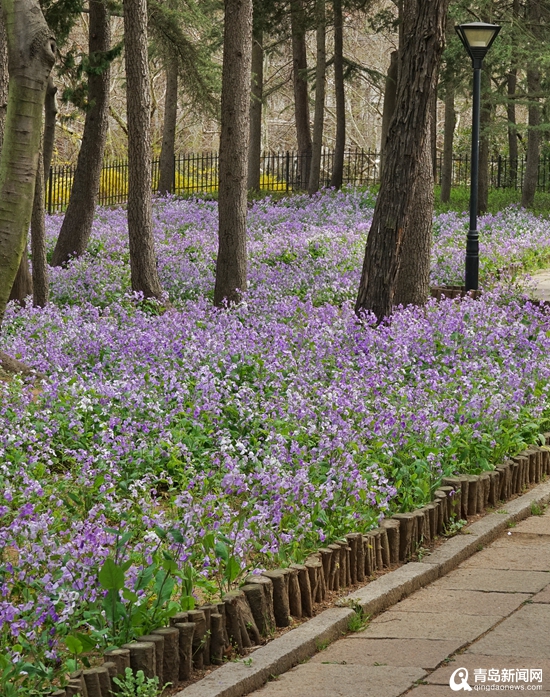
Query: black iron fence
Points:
[283, 171]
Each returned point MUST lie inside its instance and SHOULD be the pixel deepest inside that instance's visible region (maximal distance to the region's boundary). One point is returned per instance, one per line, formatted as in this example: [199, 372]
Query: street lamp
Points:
[477, 38]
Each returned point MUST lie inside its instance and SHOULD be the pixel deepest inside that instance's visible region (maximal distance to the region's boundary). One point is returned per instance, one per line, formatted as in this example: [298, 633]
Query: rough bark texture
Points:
[167, 165]
[301, 97]
[448, 137]
[534, 119]
[320, 77]
[40, 273]
[4, 77]
[390, 94]
[31, 50]
[143, 267]
[50, 116]
[412, 286]
[77, 223]
[339, 91]
[256, 104]
[420, 53]
[433, 133]
[231, 265]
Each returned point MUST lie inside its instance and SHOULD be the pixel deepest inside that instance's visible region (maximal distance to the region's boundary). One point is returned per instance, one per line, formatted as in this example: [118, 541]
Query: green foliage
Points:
[138, 685]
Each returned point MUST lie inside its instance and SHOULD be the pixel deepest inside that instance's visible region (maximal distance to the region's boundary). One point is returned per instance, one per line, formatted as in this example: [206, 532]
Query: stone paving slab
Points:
[518, 539]
[524, 634]
[441, 625]
[432, 691]
[543, 596]
[516, 556]
[536, 525]
[469, 602]
[360, 650]
[469, 661]
[503, 580]
[314, 680]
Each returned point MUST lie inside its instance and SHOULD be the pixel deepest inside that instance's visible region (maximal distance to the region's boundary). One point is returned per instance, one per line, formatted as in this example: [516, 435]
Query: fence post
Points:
[50, 186]
[287, 177]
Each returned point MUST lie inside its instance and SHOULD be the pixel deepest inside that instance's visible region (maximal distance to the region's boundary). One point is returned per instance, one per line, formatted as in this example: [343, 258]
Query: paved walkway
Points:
[490, 617]
[541, 280]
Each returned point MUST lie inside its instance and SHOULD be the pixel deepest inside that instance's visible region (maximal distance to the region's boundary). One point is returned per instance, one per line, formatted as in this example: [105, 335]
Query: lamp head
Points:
[477, 38]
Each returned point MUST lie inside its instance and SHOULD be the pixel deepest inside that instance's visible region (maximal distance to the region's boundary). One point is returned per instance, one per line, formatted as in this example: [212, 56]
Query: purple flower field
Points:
[174, 452]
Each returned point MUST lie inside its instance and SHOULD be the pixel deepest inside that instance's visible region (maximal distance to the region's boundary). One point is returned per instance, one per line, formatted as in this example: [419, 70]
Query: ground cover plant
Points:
[166, 454]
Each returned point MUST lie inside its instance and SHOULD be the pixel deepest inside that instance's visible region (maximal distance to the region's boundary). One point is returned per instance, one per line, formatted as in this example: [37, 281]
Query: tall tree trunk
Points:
[301, 98]
[485, 119]
[390, 95]
[4, 77]
[40, 274]
[231, 265]
[167, 164]
[340, 143]
[318, 121]
[256, 104]
[433, 134]
[420, 53]
[511, 84]
[77, 223]
[50, 117]
[412, 286]
[31, 51]
[143, 267]
[530, 178]
[448, 138]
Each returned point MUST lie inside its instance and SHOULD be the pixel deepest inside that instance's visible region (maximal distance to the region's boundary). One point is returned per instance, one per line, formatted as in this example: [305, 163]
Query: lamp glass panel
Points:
[478, 37]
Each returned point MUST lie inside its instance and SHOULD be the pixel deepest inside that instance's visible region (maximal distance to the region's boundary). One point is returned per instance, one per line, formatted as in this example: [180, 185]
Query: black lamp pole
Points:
[477, 38]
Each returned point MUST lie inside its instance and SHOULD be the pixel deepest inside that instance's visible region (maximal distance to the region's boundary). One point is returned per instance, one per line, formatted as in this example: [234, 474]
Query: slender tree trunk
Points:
[433, 135]
[340, 143]
[4, 77]
[40, 273]
[256, 104]
[31, 51]
[50, 117]
[531, 175]
[511, 83]
[448, 138]
[77, 223]
[486, 117]
[22, 285]
[390, 94]
[412, 286]
[143, 267]
[318, 121]
[301, 98]
[231, 265]
[420, 52]
[167, 165]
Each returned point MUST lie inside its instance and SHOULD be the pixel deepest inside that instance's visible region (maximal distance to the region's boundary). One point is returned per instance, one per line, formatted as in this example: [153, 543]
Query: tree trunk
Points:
[433, 134]
[318, 121]
[167, 164]
[77, 223]
[256, 104]
[22, 285]
[511, 82]
[390, 94]
[31, 51]
[231, 271]
[484, 127]
[301, 98]
[50, 116]
[340, 143]
[143, 267]
[40, 274]
[420, 53]
[4, 77]
[531, 175]
[412, 286]
[448, 138]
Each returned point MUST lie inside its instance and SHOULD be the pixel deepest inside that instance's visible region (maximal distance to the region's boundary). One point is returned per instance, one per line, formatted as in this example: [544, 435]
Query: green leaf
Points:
[88, 644]
[111, 576]
[130, 596]
[73, 645]
[232, 570]
[221, 551]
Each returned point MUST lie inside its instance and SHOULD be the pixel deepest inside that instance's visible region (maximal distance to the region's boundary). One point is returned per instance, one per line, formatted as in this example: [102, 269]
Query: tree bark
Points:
[31, 51]
[40, 273]
[484, 127]
[340, 142]
[448, 138]
[256, 104]
[420, 53]
[530, 177]
[50, 116]
[22, 285]
[231, 265]
[301, 98]
[143, 268]
[4, 78]
[412, 286]
[167, 164]
[390, 94]
[511, 83]
[77, 223]
[433, 134]
[318, 120]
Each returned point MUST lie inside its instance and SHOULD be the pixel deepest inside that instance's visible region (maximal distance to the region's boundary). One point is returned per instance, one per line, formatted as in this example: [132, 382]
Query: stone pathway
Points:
[491, 617]
[541, 280]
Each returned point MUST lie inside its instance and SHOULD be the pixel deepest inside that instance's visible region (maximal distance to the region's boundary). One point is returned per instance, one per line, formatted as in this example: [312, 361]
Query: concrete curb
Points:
[240, 678]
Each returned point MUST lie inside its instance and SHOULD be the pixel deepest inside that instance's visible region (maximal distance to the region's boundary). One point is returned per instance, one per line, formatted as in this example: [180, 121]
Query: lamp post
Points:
[477, 38]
